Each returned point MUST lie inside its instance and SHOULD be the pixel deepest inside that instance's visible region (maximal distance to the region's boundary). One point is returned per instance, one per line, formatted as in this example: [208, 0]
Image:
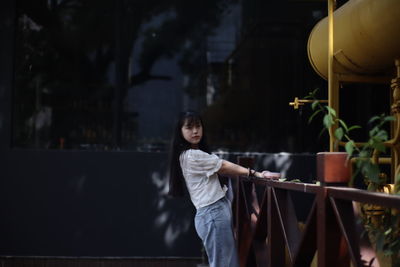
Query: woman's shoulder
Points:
[197, 154]
[200, 162]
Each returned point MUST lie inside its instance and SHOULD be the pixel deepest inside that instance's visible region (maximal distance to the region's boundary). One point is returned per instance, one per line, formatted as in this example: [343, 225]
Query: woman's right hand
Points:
[271, 175]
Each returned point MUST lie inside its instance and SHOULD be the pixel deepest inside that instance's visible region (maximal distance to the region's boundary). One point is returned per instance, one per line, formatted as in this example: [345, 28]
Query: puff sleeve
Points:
[199, 163]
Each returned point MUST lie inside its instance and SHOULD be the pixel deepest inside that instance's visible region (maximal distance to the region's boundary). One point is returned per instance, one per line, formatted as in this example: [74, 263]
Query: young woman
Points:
[193, 165]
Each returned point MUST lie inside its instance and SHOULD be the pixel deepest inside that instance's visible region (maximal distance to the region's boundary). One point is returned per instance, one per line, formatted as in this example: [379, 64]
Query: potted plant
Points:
[342, 135]
[381, 225]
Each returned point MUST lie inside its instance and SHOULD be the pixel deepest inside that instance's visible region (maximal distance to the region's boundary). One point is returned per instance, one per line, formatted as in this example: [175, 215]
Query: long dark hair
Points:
[179, 144]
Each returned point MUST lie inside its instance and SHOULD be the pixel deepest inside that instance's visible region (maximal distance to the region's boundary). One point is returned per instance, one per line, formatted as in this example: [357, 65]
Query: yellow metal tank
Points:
[366, 38]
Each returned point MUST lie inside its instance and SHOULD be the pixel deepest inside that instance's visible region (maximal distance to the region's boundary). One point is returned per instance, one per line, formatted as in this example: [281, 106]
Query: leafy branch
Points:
[365, 151]
[380, 223]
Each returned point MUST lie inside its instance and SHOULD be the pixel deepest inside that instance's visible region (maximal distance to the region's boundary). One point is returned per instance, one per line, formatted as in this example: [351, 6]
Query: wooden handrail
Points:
[358, 195]
[267, 223]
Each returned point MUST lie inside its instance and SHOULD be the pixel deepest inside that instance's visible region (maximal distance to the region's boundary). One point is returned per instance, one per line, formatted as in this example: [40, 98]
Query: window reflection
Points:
[109, 74]
[113, 74]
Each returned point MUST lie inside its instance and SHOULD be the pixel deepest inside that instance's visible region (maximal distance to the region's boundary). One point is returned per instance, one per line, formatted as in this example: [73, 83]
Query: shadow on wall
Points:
[174, 215]
[278, 162]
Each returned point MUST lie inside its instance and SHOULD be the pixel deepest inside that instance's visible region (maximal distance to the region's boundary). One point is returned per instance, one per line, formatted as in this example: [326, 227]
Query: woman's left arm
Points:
[231, 169]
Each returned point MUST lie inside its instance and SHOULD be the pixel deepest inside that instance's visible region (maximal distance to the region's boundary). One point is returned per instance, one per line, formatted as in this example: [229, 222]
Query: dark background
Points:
[102, 192]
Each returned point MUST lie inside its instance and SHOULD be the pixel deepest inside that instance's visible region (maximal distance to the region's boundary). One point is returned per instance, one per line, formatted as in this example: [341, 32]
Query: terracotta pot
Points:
[333, 168]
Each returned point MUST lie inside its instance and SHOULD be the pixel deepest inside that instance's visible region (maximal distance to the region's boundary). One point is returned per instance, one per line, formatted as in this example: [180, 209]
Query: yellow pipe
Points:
[330, 66]
[367, 38]
[333, 85]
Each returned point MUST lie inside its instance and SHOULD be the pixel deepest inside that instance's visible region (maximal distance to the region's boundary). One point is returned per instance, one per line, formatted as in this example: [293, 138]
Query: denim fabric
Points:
[214, 226]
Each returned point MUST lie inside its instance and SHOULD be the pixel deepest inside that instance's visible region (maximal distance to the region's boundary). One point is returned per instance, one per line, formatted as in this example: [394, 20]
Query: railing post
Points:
[276, 244]
[321, 227]
[331, 246]
[242, 219]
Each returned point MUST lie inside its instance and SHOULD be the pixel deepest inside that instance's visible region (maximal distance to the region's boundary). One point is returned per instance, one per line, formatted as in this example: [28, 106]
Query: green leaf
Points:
[313, 115]
[311, 95]
[364, 154]
[314, 104]
[321, 132]
[394, 243]
[344, 125]
[328, 121]
[389, 118]
[371, 171]
[349, 146]
[353, 128]
[339, 133]
[374, 131]
[382, 134]
[331, 110]
[379, 146]
[374, 118]
[387, 232]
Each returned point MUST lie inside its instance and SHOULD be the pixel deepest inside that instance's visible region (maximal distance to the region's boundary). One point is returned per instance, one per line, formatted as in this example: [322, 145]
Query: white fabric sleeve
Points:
[202, 163]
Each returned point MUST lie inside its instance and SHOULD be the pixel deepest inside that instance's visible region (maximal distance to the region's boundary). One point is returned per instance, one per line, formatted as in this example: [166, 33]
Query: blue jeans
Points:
[214, 226]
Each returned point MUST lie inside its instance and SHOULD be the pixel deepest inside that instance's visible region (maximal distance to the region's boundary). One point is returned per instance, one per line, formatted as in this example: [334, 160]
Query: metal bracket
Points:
[300, 102]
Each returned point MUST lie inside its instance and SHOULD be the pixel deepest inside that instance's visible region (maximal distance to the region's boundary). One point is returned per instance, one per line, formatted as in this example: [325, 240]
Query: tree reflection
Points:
[74, 59]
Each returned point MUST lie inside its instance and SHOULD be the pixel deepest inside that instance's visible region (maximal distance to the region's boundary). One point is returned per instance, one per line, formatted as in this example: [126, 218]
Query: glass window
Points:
[113, 74]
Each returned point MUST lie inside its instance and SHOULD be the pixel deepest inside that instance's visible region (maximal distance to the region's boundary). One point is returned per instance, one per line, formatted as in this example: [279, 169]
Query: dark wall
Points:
[102, 204]
[95, 204]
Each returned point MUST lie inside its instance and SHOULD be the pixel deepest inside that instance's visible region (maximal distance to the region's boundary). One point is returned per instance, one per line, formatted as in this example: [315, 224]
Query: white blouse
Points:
[200, 172]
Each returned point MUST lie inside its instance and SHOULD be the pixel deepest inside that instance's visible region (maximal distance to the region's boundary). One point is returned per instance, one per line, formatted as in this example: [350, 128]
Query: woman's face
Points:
[192, 132]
